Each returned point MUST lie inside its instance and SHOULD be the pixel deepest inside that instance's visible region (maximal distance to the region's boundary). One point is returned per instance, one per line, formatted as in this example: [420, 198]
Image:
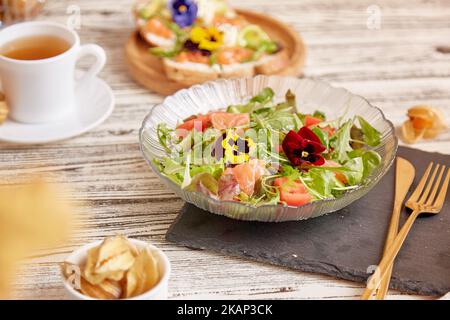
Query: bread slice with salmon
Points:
[192, 73]
[151, 26]
[272, 64]
[238, 70]
[156, 33]
[213, 42]
[189, 73]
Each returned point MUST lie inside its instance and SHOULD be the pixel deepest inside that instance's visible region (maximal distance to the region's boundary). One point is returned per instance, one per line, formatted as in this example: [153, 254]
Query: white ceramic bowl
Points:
[159, 292]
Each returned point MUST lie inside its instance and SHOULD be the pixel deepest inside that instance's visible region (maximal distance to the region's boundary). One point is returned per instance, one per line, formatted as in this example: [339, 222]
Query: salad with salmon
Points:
[202, 40]
[268, 152]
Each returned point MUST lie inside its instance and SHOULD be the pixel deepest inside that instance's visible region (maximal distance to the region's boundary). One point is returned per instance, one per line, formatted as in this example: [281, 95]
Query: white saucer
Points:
[95, 103]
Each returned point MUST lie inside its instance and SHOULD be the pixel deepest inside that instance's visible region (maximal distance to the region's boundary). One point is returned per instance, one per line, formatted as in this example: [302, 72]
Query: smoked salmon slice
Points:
[224, 120]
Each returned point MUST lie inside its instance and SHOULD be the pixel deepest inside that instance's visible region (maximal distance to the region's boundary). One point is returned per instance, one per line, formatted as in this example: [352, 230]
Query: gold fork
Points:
[429, 197]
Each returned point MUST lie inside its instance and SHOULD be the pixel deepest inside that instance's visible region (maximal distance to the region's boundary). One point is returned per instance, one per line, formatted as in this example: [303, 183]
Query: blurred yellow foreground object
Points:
[32, 216]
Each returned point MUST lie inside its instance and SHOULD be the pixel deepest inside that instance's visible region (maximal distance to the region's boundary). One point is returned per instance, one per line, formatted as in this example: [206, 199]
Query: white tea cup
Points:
[39, 91]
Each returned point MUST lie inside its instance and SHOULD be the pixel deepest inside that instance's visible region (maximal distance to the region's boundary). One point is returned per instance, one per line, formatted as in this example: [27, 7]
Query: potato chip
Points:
[116, 264]
[106, 290]
[143, 275]
[110, 260]
[111, 247]
[113, 288]
[90, 273]
[89, 269]
[131, 283]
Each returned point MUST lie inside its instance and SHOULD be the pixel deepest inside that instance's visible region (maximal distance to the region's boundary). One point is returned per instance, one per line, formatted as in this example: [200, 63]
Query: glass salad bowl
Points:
[311, 95]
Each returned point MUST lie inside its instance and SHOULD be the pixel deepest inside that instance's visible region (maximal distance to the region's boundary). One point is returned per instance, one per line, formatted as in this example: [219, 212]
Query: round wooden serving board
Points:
[148, 70]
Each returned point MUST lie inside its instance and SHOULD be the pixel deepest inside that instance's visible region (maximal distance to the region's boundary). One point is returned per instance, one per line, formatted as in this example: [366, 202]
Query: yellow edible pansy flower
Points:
[236, 149]
[207, 38]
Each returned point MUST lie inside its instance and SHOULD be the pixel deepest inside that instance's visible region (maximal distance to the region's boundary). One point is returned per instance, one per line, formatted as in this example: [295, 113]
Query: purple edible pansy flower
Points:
[184, 12]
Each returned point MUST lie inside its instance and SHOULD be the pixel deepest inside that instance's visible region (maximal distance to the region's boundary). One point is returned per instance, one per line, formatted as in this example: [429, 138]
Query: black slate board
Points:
[342, 244]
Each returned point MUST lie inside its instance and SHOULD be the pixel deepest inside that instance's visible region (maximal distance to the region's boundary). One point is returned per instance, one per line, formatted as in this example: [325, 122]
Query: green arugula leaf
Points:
[264, 96]
[371, 160]
[321, 183]
[371, 135]
[289, 171]
[269, 47]
[213, 59]
[357, 136]
[356, 153]
[281, 121]
[323, 136]
[340, 142]
[240, 108]
[319, 115]
[164, 53]
[355, 173]
[298, 122]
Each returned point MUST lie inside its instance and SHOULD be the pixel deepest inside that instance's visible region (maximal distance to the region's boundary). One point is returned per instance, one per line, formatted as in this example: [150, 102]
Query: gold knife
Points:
[404, 177]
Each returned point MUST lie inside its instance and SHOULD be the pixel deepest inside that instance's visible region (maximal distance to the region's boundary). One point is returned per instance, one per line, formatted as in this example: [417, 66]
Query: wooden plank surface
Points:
[404, 62]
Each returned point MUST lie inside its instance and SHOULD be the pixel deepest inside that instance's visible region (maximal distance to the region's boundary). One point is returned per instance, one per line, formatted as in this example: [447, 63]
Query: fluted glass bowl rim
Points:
[369, 184]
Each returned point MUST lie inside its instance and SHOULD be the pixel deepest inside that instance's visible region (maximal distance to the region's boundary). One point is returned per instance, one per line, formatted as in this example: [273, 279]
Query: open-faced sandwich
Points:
[266, 152]
[204, 40]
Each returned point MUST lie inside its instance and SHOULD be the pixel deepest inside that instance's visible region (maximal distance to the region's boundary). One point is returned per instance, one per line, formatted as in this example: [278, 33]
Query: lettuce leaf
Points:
[215, 170]
[204, 183]
[171, 169]
[187, 173]
[164, 136]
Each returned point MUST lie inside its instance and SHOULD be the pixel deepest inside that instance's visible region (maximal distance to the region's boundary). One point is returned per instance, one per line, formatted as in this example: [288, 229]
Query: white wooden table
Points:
[404, 62]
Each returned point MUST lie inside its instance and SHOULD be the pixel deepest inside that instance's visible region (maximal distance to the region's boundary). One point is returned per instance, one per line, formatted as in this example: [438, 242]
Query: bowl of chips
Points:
[116, 268]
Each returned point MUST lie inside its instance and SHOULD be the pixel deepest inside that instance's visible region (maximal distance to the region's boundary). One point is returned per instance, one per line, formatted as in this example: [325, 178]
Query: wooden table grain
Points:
[394, 53]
